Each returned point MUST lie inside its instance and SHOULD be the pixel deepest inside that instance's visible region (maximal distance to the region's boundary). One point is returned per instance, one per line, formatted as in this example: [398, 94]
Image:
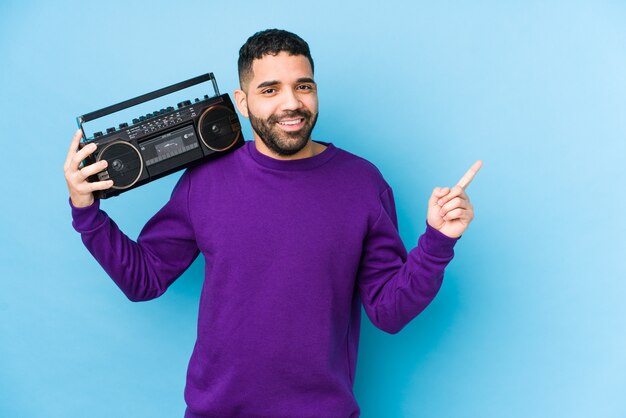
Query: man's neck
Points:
[311, 149]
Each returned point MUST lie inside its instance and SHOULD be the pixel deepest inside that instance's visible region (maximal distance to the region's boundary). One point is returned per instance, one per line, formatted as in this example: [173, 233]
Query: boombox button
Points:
[110, 130]
[123, 125]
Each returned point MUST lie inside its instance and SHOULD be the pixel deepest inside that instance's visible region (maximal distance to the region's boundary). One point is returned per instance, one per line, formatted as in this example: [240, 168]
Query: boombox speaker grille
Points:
[216, 128]
[125, 163]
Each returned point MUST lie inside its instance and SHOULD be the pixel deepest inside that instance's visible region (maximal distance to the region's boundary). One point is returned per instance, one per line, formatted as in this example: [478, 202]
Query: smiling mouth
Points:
[291, 122]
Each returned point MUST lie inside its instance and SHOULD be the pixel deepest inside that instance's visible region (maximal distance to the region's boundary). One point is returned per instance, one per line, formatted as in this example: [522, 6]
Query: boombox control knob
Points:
[117, 165]
[215, 129]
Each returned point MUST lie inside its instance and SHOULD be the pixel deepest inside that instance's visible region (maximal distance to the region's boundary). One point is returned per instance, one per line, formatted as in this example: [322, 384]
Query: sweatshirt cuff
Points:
[436, 243]
[88, 218]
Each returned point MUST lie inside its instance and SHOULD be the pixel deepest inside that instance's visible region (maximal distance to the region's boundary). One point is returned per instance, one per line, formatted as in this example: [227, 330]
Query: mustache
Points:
[291, 114]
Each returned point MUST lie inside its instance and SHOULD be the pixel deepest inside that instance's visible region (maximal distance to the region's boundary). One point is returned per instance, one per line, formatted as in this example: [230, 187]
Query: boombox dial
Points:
[219, 128]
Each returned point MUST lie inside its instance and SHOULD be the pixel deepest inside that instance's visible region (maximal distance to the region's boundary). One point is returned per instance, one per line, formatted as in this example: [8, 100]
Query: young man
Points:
[296, 235]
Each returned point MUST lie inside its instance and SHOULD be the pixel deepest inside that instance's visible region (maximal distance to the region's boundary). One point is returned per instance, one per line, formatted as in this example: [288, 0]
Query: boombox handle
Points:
[146, 97]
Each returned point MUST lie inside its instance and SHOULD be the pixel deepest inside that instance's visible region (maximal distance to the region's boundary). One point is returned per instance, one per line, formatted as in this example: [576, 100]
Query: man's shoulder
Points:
[360, 166]
[218, 163]
[358, 161]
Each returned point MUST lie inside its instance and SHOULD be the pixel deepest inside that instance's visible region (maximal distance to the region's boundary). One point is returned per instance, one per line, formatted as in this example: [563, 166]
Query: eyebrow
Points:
[276, 82]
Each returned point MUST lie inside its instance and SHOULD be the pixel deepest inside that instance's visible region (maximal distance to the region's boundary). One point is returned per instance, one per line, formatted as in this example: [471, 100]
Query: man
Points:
[296, 234]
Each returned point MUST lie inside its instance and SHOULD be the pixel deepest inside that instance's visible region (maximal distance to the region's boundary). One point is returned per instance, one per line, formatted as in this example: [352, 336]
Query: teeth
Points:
[290, 122]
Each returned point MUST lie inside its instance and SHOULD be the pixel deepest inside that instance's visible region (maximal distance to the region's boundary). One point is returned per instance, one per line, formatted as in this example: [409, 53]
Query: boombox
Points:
[164, 141]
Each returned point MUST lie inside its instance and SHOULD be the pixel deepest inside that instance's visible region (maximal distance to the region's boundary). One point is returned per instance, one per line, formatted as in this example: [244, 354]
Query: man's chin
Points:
[287, 148]
[290, 150]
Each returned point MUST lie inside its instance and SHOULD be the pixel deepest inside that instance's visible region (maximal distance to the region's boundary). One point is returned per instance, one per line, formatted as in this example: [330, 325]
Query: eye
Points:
[268, 91]
[305, 87]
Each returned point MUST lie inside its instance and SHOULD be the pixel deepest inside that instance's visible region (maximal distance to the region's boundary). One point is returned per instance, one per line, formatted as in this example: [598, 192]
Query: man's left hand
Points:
[449, 210]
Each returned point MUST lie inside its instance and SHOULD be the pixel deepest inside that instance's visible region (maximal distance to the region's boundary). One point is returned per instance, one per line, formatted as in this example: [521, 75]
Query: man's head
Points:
[278, 93]
[269, 42]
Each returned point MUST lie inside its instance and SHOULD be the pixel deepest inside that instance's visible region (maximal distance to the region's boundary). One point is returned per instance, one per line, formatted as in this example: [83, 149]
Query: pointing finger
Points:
[469, 176]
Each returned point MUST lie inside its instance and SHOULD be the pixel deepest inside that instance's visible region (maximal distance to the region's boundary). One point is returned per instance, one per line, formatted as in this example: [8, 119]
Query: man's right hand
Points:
[81, 191]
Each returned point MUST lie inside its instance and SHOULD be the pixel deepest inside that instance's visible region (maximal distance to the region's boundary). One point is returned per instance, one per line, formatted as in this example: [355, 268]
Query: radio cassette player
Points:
[164, 141]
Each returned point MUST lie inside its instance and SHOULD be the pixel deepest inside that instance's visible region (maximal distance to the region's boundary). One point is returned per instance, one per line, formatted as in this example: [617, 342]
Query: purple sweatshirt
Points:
[292, 249]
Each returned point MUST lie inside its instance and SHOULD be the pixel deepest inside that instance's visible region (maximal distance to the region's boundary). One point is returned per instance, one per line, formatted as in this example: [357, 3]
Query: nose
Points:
[290, 100]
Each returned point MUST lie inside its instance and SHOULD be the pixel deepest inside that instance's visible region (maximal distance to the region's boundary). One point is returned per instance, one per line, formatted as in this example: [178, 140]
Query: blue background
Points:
[531, 319]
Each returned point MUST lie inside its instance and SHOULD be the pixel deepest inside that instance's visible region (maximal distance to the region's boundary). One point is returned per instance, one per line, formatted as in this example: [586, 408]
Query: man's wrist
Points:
[437, 243]
[82, 201]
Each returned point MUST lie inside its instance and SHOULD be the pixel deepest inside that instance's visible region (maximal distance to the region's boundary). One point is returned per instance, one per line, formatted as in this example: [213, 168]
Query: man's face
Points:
[281, 102]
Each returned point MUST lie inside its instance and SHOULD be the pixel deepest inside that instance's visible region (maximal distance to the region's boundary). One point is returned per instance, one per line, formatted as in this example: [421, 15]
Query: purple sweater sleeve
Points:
[396, 287]
[166, 246]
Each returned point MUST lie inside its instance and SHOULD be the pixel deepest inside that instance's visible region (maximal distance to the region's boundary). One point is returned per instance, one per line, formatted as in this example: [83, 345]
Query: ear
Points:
[241, 101]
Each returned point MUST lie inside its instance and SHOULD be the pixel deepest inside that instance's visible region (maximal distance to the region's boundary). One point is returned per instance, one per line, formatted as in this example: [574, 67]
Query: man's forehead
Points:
[282, 68]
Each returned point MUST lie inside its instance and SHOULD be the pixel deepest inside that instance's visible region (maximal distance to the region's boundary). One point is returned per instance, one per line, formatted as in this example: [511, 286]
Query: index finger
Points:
[73, 147]
[469, 176]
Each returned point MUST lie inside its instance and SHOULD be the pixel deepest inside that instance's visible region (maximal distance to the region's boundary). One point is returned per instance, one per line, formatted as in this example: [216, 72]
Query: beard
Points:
[281, 142]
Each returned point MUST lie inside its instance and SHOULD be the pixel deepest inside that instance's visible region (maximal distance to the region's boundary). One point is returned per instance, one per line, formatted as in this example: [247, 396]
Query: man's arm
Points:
[166, 246]
[396, 286]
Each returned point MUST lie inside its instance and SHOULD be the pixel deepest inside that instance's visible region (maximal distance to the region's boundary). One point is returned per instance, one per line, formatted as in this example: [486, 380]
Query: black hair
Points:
[269, 42]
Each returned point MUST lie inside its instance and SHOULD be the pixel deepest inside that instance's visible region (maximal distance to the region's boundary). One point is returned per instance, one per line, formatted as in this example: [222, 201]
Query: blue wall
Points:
[530, 320]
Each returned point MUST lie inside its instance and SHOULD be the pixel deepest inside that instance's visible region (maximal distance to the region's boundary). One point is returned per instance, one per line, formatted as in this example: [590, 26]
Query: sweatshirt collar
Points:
[291, 165]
